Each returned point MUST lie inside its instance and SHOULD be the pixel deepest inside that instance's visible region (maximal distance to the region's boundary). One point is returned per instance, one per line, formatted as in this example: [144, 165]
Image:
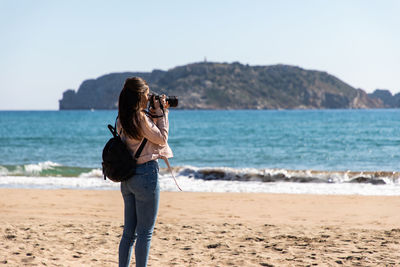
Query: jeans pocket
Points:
[150, 181]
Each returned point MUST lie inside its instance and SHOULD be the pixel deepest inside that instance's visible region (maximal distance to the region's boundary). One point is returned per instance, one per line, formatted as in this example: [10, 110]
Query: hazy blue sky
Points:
[49, 46]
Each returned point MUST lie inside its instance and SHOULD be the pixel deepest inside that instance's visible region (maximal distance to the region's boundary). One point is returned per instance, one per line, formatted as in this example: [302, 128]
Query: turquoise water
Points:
[326, 140]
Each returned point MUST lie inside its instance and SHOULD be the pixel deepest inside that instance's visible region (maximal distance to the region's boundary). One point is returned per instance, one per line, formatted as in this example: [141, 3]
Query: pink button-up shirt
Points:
[156, 132]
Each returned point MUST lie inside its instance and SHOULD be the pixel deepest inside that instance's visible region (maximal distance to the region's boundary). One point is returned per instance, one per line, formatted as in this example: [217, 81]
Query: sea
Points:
[343, 152]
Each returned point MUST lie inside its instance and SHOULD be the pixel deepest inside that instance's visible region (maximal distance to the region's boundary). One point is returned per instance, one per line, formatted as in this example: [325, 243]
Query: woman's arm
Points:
[156, 132]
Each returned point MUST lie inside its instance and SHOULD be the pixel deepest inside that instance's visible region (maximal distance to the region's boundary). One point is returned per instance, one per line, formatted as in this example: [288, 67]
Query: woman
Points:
[141, 192]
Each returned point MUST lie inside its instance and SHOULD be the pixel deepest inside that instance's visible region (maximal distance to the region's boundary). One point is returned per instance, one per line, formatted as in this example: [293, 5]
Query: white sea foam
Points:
[211, 179]
[3, 171]
[95, 173]
[56, 183]
[200, 185]
[39, 167]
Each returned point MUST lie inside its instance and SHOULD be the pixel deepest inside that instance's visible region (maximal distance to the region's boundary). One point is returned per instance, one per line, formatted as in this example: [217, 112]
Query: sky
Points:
[50, 46]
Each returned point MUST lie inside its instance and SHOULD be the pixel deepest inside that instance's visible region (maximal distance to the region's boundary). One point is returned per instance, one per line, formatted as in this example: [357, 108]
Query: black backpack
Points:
[118, 164]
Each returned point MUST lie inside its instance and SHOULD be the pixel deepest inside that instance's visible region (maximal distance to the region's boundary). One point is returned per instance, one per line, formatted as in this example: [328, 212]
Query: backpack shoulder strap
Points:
[140, 148]
[139, 151]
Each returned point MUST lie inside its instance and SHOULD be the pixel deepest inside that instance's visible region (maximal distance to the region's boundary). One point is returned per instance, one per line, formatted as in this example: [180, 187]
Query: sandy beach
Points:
[83, 228]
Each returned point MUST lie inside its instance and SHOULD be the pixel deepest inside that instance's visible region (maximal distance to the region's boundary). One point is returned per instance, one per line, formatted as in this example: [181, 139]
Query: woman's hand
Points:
[162, 102]
[156, 102]
[157, 111]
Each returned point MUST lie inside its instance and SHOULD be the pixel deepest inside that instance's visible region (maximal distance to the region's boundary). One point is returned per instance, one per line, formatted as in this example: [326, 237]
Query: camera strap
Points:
[164, 158]
[170, 170]
[153, 116]
[156, 116]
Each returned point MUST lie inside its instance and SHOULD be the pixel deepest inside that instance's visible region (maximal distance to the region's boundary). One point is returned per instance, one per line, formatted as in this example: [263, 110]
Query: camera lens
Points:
[172, 101]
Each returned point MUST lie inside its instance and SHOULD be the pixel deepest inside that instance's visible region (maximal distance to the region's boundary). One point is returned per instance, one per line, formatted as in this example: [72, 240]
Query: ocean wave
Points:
[41, 166]
[194, 179]
[52, 169]
[42, 169]
[282, 175]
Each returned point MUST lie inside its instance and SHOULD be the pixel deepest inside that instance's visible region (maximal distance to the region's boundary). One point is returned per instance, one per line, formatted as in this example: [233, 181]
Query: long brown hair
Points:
[129, 106]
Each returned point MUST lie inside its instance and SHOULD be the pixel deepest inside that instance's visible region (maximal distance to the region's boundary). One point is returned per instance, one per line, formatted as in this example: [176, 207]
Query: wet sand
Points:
[83, 228]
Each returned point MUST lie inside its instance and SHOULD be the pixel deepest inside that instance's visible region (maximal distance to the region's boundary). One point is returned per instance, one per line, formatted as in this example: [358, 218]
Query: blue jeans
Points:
[141, 194]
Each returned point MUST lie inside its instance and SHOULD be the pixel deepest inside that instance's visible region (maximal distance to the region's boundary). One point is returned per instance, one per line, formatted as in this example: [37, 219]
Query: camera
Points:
[171, 100]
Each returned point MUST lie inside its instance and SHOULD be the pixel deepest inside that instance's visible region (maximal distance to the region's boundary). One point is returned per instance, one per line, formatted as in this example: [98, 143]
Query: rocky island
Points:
[234, 86]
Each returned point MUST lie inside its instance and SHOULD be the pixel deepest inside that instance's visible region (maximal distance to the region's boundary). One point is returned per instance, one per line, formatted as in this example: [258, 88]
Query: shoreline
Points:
[64, 227]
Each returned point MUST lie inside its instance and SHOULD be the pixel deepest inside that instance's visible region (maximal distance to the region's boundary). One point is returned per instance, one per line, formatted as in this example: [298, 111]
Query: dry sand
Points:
[83, 228]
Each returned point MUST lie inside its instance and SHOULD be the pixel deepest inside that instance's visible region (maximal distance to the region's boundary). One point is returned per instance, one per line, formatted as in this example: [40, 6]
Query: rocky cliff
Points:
[229, 86]
[388, 100]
